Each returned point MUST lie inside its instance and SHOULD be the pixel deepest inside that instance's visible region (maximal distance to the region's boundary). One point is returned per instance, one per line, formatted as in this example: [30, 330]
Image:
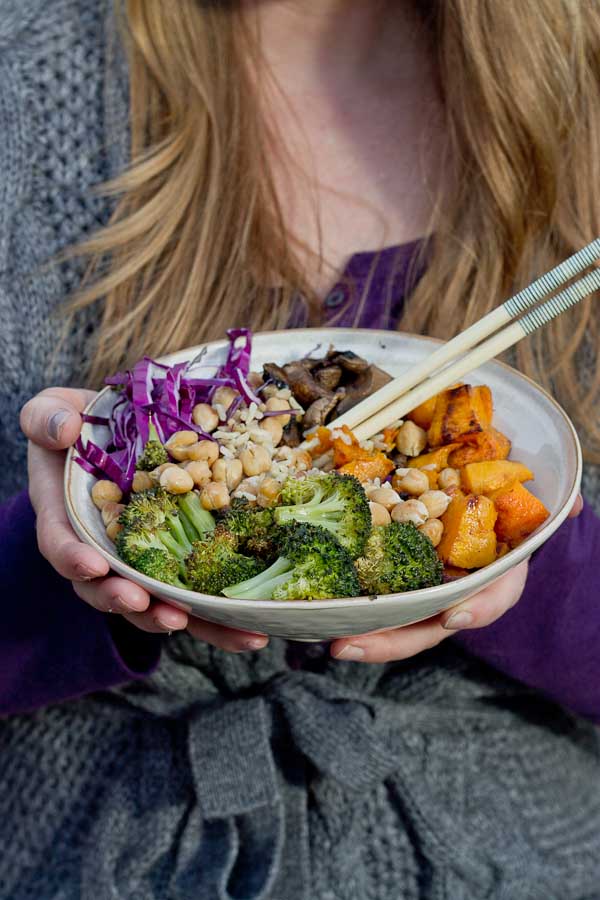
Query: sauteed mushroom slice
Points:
[363, 386]
[329, 377]
[317, 412]
[304, 387]
[348, 361]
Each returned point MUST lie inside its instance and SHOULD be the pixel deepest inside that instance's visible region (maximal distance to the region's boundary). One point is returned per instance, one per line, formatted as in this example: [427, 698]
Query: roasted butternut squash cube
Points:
[423, 414]
[491, 475]
[469, 539]
[488, 444]
[519, 513]
[460, 412]
[437, 458]
[378, 465]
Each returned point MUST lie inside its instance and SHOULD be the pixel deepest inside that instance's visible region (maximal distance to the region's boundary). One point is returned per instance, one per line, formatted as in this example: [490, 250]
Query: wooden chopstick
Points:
[482, 353]
[510, 309]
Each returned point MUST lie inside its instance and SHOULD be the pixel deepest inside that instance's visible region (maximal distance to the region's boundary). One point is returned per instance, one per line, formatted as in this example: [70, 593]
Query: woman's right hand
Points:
[52, 422]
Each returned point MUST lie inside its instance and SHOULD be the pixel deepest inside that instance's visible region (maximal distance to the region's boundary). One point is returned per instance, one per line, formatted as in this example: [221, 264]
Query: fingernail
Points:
[56, 422]
[167, 622]
[350, 652]
[256, 643]
[131, 605]
[460, 619]
[85, 573]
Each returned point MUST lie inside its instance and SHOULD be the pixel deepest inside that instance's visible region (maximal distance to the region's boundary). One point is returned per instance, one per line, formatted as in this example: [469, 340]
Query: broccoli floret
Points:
[253, 526]
[151, 522]
[193, 513]
[398, 558]
[154, 454]
[159, 564]
[215, 562]
[332, 501]
[312, 565]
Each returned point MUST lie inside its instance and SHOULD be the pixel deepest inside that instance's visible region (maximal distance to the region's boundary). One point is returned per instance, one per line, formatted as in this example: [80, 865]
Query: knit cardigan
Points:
[234, 776]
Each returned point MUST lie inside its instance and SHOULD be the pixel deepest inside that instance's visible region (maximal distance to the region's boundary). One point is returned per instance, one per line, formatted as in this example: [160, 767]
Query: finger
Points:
[226, 638]
[577, 507]
[396, 644]
[159, 618]
[56, 539]
[52, 418]
[402, 643]
[489, 604]
[113, 594]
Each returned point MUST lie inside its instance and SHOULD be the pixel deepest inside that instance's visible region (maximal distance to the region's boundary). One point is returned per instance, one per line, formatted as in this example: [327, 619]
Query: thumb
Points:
[52, 419]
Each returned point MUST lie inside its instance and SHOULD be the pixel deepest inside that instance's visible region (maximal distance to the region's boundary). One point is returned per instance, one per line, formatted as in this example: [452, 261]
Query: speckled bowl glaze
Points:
[542, 435]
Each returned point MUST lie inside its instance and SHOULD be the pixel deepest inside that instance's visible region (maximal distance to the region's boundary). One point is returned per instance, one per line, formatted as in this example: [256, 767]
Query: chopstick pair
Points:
[403, 394]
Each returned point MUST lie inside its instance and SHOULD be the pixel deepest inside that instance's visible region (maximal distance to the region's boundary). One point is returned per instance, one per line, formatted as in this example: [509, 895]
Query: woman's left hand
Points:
[476, 612]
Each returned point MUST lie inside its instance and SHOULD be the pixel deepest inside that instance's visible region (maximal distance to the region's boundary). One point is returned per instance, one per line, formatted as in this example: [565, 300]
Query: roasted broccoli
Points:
[332, 501]
[160, 564]
[312, 565]
[193, 513]
[398, 558]
[252, 525]
[154, 454]
[151, 520]
[215, 562]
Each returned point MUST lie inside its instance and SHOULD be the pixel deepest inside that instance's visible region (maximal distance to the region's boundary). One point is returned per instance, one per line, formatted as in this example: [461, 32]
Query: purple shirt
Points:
[55, 647]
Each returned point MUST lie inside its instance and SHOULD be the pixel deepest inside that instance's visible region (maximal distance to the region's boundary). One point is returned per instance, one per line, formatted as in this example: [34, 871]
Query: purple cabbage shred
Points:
[165, 396]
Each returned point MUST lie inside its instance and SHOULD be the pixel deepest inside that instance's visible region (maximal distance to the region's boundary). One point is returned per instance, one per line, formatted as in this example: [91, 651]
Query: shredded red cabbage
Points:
[166, 396]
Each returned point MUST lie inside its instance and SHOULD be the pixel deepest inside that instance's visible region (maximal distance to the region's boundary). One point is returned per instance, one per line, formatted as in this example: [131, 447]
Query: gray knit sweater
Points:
[228, 777]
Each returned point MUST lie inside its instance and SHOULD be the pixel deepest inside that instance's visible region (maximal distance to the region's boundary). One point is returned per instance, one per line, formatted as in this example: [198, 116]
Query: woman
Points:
[272, 140]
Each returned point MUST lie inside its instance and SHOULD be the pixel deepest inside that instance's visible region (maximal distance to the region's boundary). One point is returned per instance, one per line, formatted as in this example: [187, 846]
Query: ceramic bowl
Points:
[543, 439]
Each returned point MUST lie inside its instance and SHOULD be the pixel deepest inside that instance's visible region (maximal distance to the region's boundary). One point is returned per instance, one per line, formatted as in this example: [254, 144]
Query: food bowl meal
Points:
[225, 437]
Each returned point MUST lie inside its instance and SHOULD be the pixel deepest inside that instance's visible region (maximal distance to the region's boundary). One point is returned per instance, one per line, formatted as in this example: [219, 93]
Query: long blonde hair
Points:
[197, 238]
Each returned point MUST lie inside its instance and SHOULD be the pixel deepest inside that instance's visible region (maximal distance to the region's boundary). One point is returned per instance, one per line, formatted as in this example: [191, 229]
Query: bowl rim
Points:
[472, 582]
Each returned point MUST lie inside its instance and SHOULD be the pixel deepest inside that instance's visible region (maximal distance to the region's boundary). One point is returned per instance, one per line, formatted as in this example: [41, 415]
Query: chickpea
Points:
[106, 492]
[179, 443]
[433, 529]
[255, 460]
[214, 495]
[181, 439]
[385, 496]
[208, 451]
[111, 511]
[272, 425]
[255, 380]
[448, 478]
[156, 473]
[436, 503]
[411, 439]
[413, 482]
[199, 469]
[410, 511]
[379, 514]
[176, 480]
[141, 482]
[205, 417]
[113, 529]
[268, 492]
[275, 403]
[229, 471]
[301, 460]
[224, 396]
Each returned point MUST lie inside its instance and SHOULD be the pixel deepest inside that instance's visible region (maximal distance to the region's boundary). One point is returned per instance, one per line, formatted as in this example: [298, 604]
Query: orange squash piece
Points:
[377, 465]
[491, 475]
[488, 444]
[437, 458]
[460, 412]
[423, 414]
[323, 435]
[432, 475]
[519, 513]
[469, 539]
